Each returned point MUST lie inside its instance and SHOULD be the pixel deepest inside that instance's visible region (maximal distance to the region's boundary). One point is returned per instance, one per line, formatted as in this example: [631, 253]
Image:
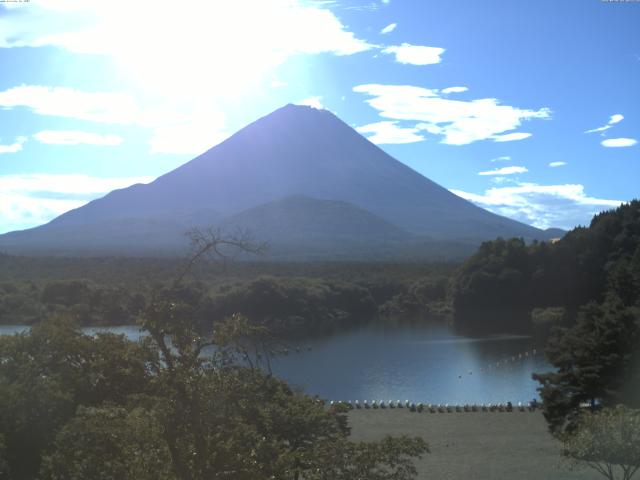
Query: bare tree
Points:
[214, 243]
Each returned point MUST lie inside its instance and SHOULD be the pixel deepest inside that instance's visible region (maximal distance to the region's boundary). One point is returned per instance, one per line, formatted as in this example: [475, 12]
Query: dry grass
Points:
[477, 445]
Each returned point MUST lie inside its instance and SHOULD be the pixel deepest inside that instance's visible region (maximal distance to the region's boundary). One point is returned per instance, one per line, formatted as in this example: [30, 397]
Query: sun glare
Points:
[223, 49]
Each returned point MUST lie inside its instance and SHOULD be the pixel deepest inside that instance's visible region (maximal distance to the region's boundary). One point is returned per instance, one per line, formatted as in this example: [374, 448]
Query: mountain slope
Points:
[295, 150]
[305, 219]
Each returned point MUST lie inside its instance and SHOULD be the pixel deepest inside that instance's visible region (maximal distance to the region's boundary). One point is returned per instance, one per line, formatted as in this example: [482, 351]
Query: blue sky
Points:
[529, 109]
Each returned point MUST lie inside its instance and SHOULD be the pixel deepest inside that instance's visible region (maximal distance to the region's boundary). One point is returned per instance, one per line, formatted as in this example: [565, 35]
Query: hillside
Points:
[294, 151]
[505, 280]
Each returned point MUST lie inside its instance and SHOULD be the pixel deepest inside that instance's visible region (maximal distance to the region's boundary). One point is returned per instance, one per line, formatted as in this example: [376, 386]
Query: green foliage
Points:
[505, 280]
[387, 459]
[605, 440]
[4, 464]
[423, 298]
[286, 297]
[66, 293]
[46, 373]
[106, 443]
[595, 364]
[102, 407]
[293, 303]
[548, 317]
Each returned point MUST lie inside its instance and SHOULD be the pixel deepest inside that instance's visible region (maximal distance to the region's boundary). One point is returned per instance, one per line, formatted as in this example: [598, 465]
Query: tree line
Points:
[285, 303]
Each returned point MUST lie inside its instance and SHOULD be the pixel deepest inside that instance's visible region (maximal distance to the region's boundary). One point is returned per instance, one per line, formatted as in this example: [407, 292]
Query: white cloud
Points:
[504, 158]
[16, 146]
[458, 122]
[228, 48]
[415, 54]
[76, 137]
[599, 129]
[510, 137]
[315, 102]
[454, 90]
[389, 28]
[230, 54]
[543, 206]
[103, 107]
[619, 142]
[388, 132]
[557, 164]
[615, 118]
[172, 131]
[505, 171]
[29, 200]
[502, 180]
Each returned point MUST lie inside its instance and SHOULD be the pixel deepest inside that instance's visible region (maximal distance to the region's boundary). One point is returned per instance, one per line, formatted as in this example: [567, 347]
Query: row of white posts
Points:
[439, 408]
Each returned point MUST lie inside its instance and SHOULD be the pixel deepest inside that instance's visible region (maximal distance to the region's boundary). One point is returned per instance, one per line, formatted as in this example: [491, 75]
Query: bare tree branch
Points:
[212, 242]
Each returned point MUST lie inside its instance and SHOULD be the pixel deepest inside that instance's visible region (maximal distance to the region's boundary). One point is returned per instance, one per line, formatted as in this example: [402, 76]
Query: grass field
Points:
[477, 445]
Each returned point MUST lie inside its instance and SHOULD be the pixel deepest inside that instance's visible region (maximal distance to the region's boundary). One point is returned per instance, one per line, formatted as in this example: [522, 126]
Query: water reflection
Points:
[428, 363]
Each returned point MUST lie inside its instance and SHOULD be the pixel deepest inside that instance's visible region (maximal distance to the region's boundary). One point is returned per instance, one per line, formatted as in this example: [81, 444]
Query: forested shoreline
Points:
[583, 293]
[506, 286]
[288, 298]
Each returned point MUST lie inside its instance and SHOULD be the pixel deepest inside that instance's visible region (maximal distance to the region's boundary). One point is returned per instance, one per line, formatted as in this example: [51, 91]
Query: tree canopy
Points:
[505, 280]
[607, 441]
[595, 364]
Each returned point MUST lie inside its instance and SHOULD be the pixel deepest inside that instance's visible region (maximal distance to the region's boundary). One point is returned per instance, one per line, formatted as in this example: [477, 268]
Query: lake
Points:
[429, 364]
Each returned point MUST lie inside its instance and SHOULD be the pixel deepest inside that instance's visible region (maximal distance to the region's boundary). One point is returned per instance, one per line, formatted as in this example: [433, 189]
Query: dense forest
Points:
[288, 297]
[583, 293]
[509, 285]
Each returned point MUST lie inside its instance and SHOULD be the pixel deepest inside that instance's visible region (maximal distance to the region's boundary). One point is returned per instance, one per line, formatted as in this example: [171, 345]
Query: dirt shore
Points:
[478, 445]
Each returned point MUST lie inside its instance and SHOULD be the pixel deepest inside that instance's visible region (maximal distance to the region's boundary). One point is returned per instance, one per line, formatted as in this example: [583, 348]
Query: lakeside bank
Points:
[474, 446]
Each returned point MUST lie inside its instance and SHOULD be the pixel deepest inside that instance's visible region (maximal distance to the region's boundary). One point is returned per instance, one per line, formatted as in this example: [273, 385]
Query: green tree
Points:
[391, 458]
[4, 465]
[46, 373]
[605, 440]
[108, 443]
[594, 363]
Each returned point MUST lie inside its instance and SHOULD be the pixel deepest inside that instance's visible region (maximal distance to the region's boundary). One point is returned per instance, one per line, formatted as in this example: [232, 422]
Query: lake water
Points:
[429, 364]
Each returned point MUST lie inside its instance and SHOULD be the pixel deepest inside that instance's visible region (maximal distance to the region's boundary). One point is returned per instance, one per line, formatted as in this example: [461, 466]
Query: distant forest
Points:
[506, 286]
[287, 297]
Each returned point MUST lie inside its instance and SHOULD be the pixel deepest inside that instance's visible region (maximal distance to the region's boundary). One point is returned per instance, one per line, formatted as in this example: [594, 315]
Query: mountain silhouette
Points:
[299, 172]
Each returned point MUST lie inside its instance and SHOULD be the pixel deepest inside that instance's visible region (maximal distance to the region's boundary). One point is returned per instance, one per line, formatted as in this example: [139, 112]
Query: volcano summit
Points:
[298, 178]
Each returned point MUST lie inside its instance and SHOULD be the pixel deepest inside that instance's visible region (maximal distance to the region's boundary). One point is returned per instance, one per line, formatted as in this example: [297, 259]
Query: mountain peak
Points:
[295, 150]
[299, 107]
[293, 113]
